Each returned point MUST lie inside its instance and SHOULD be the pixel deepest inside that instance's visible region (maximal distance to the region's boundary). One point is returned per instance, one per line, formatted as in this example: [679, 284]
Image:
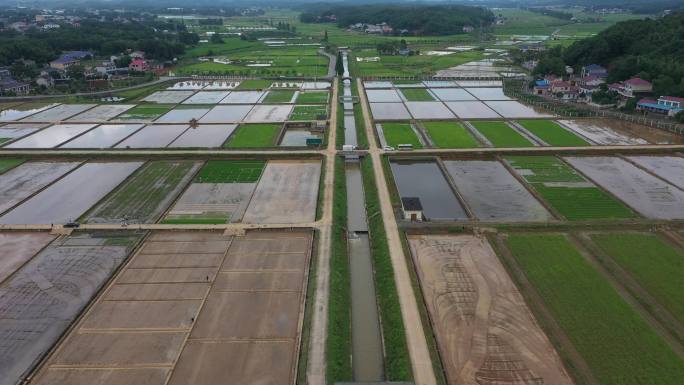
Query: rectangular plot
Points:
[501, 134]
[214, 202]
[66, 199]
[102, 112]
[383, 96]
[514, 109]
[204, 136]
[170, 275]
[154, 136]
[82, 376]
[22, 111]
[261, 280]
[417, 94]
[185, 247]
[479, 316]
[670, 168]
[377, 84]
[424, 180]
[146, 194]
[268, 113]
[148, 261]
[221, 85]
[189, 85]
[472, 110]
[243, 97]
[18, 248]
[10, 132]
[429, 110]
[241, 362]
[568, 192]
[226, 114]
[24, 180]
[278, 200]
[254, 315]
[182, 115]
[493, 194]
[488, 93]
[156, 291]
[206, 97]
[46, 295]
[452, 94]
[577, 295]
[551, 133]
[600, 134]
[389, 111]
[168, 97]
[120, 349]
[141, 315]
[51, 136]
[103, 136]
[450, 134]
[58, 113]
[647, 194]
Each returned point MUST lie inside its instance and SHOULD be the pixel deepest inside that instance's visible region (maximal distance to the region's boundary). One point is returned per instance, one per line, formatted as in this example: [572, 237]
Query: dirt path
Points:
[316, 364]
[421, 363]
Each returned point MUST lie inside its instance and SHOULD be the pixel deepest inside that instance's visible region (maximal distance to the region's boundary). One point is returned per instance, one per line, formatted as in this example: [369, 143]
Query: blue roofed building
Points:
[69, 59]
[594, 70]
[667, 105]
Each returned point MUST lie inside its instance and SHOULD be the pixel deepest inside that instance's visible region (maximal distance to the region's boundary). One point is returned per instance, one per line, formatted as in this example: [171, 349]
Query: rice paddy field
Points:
[319, 112]
[500, 134]
[448, 134]
[313, 97]
[616, 342]
[400, 133]
[417, 94]
[253, 135]
[568, 192]
[229, 171]
[552, 133]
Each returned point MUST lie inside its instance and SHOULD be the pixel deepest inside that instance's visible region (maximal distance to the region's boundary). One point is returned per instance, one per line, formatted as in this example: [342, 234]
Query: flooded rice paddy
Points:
[212, 202]
[243, 97]
[268, 113]
[297, 138]
[58, 113]
[102, 112]
[600, 134]
[514, 109]
[225, 114]
[168, 97]
[17, 113]
[182, 115]
[472, 110]
[52, 136]
[429, 110]
[383, 96]
[452, 94]
[389, 111]
[424, 180]
[26, 179]
[103, 136]
[154, 136]
[204, 135]
[670, 168]
[493, 194]
[68, 198]
[206, 97]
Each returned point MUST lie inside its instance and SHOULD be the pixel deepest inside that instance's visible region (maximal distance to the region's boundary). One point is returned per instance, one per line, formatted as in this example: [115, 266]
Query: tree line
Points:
[417, 19]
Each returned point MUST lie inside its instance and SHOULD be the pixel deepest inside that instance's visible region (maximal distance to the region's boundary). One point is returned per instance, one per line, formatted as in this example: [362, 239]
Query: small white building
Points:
[413, 210]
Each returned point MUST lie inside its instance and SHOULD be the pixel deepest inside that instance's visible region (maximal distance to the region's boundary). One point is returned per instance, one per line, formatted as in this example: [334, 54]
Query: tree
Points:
[680, 117]
[76, 72]
[339, 67]
[216, 39]
[21, 71]
[325, 35]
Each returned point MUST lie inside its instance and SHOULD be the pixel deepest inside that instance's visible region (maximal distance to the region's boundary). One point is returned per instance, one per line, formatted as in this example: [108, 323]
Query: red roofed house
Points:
[138, 65]
[635, 86]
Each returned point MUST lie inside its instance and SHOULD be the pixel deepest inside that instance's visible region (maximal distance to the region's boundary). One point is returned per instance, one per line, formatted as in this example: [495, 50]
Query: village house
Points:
[10, 85]
[69, 59]
[667, 105]
[412, 208]
[635, 86]
[138, 65]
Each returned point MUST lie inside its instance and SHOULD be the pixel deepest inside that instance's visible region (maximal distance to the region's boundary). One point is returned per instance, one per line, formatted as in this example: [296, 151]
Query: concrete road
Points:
[421, 362]
[316, 363]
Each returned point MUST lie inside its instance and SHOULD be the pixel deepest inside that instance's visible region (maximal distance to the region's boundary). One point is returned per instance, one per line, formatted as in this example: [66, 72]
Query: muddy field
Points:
[26, 179]
[485, 332]
[46, 295]
[223, 202]
[493, 194]
[645, 193]
[17, 248]
[670, 168]
[268, 113]
[278, 200]
[247, 330]
[597, 131]
[71, 196]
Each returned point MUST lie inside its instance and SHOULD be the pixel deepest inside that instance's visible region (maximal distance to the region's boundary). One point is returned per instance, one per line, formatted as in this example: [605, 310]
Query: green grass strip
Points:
[417, 94]
[553, 134]
[253, 135]
[450, 135]
[338, 343]
[279, 96]
[501, 134]
[313, 97]
[617, 344]
[397, 360]
[654, 263]
[400, 133]
[230, 171]
[8, 164]
[254, 84]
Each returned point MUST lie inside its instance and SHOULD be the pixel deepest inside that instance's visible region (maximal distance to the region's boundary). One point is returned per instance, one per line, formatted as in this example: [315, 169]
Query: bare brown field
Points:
[485, 331]
[193, 308]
